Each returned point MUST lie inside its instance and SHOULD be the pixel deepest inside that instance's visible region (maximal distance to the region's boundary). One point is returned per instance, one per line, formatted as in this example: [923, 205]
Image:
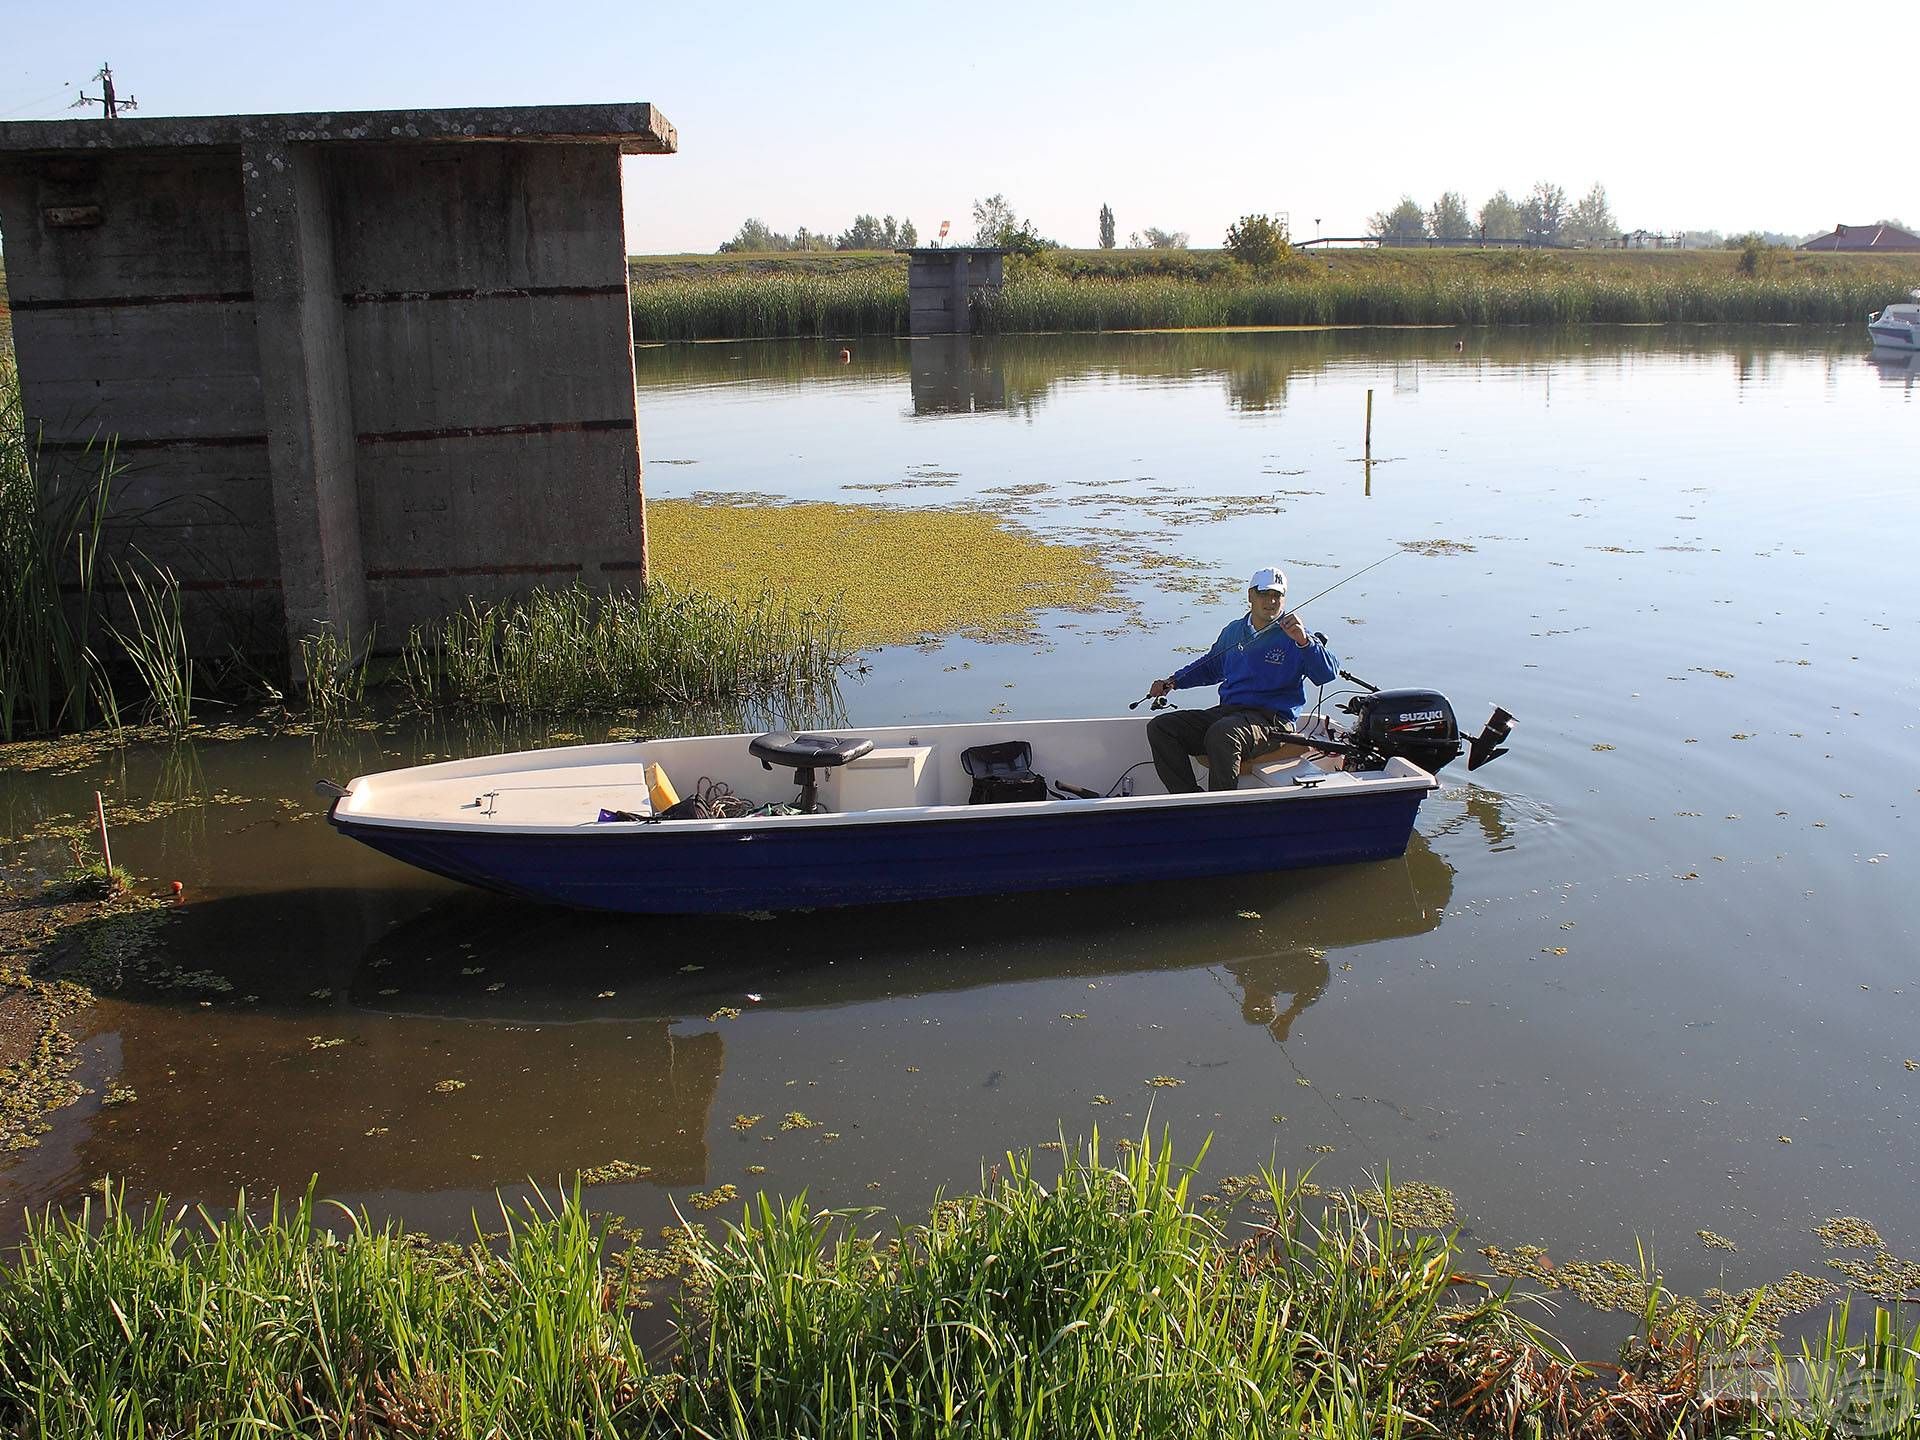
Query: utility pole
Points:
[106, 99]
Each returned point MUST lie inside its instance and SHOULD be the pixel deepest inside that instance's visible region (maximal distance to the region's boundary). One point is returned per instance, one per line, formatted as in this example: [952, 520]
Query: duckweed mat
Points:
[898, 575]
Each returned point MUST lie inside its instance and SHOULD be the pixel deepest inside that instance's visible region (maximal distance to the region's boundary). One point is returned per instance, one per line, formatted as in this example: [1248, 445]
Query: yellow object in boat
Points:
[660, 792]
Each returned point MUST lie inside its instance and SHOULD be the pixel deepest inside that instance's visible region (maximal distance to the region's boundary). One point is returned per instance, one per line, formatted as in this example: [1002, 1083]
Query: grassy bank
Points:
[1122, 290]
[1106, 1300]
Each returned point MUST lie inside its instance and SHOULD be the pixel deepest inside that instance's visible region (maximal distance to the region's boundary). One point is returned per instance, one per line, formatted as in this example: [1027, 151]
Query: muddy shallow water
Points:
[1652, 973]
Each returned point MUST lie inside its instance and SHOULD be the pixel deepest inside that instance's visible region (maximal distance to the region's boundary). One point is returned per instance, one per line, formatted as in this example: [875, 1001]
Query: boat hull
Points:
[668, 869]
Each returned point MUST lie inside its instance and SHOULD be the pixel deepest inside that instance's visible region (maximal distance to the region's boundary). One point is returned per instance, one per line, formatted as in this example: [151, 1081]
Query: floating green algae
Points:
[1415, 1202]
[1848, 1232]
[896, 575]
[614, 1172]
[1885, 1277]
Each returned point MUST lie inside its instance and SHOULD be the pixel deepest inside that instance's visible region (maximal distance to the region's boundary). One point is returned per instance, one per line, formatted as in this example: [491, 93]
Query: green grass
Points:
[1104, 1300]
[674, 299]
[580, 652]
[187, 1323]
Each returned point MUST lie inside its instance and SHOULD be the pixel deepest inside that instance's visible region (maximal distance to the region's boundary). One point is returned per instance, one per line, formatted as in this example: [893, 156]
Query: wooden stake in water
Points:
[1369, 451]
[106, 850]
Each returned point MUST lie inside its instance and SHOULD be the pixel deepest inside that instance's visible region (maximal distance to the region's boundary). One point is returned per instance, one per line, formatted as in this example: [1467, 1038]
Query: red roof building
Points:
[1879, 239]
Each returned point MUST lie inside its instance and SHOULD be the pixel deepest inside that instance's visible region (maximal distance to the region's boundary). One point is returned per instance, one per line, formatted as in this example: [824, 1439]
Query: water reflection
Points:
[565, 967]
[972, 375]
[1898, 370]
[949, 377]
[428, 1041]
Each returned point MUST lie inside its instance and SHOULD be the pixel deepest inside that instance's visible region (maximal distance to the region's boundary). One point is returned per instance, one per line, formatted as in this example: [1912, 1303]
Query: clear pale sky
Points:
[1727, 116]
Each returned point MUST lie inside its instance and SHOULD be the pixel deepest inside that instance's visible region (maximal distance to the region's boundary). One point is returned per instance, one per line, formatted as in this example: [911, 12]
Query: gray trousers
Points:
[1226, 734]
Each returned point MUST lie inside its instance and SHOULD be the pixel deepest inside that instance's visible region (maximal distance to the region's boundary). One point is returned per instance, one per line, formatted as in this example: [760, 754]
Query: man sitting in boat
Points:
[1261, 663]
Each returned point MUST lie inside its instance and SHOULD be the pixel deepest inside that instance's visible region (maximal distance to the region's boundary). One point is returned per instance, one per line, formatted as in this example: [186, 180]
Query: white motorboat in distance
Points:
[1896, 328]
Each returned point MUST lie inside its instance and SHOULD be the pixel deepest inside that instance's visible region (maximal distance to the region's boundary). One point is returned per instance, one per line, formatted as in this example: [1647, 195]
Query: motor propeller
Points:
[1490, 743]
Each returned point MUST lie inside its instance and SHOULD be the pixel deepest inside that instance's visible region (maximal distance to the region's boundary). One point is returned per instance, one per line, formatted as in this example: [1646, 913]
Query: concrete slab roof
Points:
[636, 127]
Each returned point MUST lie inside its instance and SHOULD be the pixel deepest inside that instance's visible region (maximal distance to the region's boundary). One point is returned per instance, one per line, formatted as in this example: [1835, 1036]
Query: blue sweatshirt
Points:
[1260, 667]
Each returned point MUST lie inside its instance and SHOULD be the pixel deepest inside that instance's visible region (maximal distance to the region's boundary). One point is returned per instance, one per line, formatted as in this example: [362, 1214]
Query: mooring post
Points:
[106, 850]
[1369, 445]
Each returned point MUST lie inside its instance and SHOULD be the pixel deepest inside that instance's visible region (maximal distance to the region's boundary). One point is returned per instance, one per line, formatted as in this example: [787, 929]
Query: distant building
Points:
[1880, 239]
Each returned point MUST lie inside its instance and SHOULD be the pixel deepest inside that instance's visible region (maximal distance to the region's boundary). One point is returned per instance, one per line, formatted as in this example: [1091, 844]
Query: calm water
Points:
[1676, 925]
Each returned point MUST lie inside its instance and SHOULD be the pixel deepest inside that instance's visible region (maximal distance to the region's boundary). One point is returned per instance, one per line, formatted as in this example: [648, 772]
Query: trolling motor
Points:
[1417, 724]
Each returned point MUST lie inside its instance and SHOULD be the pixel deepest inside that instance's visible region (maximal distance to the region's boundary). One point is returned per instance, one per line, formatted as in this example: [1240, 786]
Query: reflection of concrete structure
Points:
[361, 365]
[950, 377]
[941, 284]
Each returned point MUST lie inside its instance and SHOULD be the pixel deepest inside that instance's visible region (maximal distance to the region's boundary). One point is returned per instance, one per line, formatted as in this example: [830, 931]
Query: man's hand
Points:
[1294, 627]
[1159, 688]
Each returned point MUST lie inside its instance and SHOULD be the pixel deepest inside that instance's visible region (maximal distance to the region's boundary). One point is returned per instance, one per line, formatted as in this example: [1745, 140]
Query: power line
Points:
[14, 113]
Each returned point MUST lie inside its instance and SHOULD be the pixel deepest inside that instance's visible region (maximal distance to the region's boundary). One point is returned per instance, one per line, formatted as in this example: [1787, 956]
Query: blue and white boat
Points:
[1896, 328]
[899, 813]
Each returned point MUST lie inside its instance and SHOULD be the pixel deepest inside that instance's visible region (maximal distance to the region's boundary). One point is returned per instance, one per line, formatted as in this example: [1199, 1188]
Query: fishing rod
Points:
[1161, 702]
[1338, 583]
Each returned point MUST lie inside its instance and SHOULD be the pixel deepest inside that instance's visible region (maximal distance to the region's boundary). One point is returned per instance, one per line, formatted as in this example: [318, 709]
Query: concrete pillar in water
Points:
[361, 366]
[297, 321]
[942, 281]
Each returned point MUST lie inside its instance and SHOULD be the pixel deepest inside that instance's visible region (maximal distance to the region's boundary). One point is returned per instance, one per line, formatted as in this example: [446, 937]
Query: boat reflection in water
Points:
[1896, 367]
[562, 965]
[484, 1041]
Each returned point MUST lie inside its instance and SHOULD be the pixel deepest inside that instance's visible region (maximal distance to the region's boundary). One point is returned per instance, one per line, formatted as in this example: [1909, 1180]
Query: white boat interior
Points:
[910, 768]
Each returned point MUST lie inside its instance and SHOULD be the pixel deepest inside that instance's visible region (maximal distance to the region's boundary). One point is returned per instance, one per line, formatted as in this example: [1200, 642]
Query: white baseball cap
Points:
[1269, 577]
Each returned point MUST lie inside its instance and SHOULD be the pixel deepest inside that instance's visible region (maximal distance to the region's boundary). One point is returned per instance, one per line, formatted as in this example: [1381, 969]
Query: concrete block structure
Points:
[359, 366]
[941, 283]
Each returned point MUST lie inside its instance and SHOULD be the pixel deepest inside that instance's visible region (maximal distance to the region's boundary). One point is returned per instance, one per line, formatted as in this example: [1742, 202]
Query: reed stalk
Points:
[335, 675]
[155, 641]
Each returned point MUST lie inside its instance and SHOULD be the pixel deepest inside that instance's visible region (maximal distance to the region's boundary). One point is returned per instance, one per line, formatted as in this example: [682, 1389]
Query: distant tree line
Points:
[868, 232]
[1543, 217]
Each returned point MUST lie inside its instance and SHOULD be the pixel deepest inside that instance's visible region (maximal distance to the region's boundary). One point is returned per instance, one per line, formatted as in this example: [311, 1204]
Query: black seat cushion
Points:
[803, 752]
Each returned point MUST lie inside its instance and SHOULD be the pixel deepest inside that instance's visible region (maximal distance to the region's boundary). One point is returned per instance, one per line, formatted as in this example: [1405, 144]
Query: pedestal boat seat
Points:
[803, 754]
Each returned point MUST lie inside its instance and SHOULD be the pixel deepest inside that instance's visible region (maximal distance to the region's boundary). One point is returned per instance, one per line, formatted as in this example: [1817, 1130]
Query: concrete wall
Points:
[144, 328]
[360, 367]
[941, 282]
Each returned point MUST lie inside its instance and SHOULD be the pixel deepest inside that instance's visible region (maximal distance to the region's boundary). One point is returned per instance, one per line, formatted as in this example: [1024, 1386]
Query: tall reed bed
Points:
[761, 307]
[1104, 1301]
[57, 667]
[1037, 298]
[51, 678]
[580, 651]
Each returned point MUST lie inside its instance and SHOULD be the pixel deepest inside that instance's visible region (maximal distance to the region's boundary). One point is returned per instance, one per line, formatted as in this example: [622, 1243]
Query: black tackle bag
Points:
[1002, 773]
